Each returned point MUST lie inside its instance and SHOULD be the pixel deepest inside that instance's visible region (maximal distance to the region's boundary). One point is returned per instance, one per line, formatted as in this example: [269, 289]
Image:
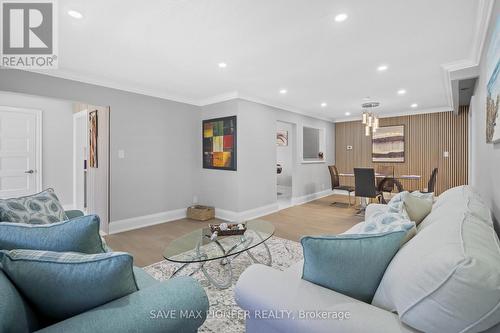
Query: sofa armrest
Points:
[177, 305]
[261, 290]
[71, 214]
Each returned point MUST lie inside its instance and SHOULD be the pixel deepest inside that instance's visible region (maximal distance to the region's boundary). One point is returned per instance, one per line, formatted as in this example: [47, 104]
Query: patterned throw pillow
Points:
[40, 208]
[60, 285]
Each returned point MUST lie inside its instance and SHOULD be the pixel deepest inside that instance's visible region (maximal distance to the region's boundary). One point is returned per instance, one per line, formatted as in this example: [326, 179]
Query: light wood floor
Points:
[317, 217]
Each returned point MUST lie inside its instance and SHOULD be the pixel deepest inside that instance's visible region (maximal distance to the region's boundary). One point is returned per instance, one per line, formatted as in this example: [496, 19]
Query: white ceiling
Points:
[171, 49]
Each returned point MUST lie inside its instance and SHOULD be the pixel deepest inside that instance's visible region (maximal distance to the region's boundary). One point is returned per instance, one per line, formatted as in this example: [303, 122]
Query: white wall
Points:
[486, 157]
[284, 155]
[57, 140]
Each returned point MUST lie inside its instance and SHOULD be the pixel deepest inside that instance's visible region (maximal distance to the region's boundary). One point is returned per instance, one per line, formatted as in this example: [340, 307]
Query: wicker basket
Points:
[201, 213]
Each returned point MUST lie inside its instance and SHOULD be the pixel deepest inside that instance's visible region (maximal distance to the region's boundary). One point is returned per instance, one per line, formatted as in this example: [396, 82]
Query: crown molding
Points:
[483, 17]
[400, 114]
[283, 107]
[68, 75]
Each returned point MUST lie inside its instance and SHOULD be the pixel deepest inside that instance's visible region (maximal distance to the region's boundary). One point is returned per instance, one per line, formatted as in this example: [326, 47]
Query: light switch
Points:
[121, 153]
[446, 154]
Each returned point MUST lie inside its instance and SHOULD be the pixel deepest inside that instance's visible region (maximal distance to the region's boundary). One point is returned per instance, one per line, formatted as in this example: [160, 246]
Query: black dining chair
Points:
[334, 174]
[431, 185]
[364, 185]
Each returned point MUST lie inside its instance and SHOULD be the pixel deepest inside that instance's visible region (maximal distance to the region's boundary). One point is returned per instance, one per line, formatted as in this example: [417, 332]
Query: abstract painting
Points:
[93, 139]
[282, 138]
[219, 143]
[388, 144]
[493, 87]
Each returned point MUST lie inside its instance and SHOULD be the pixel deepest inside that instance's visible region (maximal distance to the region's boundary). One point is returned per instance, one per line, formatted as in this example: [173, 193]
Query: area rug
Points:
[221, 317]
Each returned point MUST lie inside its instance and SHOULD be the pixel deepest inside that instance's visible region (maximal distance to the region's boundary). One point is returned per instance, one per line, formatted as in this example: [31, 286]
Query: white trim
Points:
[483, 17]
[64, 74]
[282, 107]
[219, 98]
[38, 137]
[250, 214]
[400, 114]
[227, 215]
[146, 220]
[310, 197]
[75, 116]
[70, 206]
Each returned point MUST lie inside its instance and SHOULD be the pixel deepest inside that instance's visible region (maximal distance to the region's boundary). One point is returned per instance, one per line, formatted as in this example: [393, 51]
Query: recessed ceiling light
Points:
[414, 105]
[75, 14]
[401, 92]
[323, 105]
[382, 68]
[283, 91]
[341, 17]
[347, 113]
[222, 65]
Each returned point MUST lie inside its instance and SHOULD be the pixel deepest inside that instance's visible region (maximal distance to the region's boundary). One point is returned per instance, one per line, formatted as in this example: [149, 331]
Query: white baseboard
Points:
[250, 214]
[146, 220]
[223, 214]
[70, 206]
[310, 197]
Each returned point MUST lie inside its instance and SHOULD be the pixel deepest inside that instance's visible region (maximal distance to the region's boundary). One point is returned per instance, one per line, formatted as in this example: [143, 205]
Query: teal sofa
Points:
[177, 305]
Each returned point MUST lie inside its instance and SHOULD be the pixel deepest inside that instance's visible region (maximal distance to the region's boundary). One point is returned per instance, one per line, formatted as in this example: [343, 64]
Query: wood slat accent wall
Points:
[427, 137]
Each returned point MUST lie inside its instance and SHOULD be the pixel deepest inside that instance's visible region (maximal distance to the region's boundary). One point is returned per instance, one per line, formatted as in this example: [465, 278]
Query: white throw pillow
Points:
[447, 279]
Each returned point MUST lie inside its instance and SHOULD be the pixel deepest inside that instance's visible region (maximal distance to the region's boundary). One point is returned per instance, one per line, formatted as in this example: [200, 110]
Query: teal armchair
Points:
[178, 305]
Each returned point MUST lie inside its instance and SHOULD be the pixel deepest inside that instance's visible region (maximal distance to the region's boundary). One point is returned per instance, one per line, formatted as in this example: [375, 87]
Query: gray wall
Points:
[160, 139]
[218, 188]
[57, 140]
[253, 185]
[485, 157]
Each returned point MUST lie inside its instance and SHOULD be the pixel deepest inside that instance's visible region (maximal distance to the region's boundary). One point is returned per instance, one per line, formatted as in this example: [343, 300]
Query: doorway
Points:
[91, 161]
[285, 162]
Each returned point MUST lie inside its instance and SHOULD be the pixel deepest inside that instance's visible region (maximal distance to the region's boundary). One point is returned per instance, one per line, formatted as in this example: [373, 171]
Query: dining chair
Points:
[431, 185]
[334, 175]
[364, 186]
[385, 184]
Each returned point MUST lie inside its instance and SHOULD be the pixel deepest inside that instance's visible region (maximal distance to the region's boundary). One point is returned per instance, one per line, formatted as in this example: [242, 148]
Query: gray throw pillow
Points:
[80, 234]
[60, 285]
[40, 208]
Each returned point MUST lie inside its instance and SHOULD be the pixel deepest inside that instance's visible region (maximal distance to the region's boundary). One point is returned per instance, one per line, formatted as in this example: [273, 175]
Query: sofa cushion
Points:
[77, 235]
[447, 278]
[350, 264]
[16, 315]
[61, 285]
[40, 208]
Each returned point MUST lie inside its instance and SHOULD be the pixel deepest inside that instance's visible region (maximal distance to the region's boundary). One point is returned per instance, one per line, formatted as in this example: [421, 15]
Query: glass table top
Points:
[197, 246]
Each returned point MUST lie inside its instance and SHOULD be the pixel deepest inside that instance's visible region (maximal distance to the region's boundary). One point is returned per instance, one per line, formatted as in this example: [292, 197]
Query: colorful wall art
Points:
[219, 143]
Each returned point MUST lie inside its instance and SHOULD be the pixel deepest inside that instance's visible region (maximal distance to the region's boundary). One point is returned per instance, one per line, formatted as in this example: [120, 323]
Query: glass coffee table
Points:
[197, 248]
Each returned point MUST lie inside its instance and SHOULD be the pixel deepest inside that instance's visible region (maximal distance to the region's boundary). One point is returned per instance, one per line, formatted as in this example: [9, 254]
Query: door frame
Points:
[79, 114]
[38, 140]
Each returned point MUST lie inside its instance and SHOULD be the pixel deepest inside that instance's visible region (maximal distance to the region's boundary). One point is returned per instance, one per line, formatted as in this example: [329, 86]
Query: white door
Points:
[20, 152]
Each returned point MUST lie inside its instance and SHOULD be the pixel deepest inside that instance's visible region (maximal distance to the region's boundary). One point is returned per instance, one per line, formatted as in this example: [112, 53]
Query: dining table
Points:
[395, 179]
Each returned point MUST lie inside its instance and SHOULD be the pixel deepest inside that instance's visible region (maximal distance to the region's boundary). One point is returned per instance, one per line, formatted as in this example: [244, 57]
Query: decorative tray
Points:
[228, 229]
